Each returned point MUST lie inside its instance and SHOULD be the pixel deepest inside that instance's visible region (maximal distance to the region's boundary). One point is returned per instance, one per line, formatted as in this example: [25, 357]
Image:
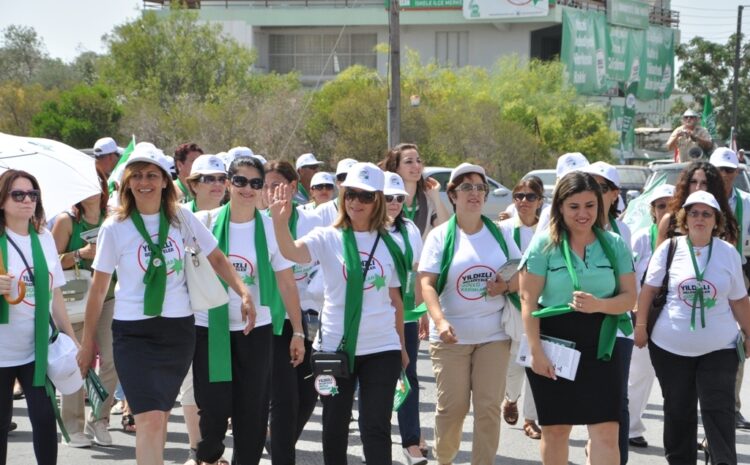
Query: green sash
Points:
[613, 225]
[698, 295]
[495, 231]
[219, 347]
[303, 191]
[653, 231]
[738, 215]
[404, 264]
[155, 278]
[517, 236]
[76, 242]
[269, 288]
[411, 211]
[186, 195]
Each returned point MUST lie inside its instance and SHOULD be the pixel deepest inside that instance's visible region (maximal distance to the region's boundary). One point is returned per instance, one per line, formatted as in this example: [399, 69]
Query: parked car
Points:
[548, 177]
[498, 200]
[632, 180]
[672, 171]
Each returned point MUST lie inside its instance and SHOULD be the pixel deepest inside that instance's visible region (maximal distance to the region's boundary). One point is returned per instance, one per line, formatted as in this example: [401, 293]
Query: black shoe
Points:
[740, 422]
[638, 441]
[13, 426]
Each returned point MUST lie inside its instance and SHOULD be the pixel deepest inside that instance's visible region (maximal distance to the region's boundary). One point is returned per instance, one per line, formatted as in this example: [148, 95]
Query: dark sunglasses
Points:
[341, 177]
[18, 196]
[398, 198]
[210, 179]
[468, 187]
[727, 170]
[242, 181]
[531, 197]
[696, 213]
[322, 187]
[362, 196]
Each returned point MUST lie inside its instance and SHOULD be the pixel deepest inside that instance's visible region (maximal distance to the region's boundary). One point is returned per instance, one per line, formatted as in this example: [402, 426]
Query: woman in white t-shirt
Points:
[207, 183]
[22, 224]
[466, 300]
[153, 328]
[362, 316]
[694, 343]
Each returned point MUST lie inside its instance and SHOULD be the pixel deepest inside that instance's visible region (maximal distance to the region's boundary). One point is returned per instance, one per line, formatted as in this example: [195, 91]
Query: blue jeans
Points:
[408, 414]
[624, 351]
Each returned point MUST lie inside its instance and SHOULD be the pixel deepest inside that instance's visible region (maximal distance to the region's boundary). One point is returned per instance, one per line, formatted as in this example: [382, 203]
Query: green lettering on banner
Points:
[488, 9]
[584, 44]
[628, 13]
[657, 64]
[627, 130]
[426, 4]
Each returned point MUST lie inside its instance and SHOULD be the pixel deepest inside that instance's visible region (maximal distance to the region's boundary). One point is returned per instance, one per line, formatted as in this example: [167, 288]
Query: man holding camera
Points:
[690, 141]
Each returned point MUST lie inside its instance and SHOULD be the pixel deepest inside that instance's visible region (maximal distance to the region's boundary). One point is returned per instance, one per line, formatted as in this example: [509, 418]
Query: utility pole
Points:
[736, 86]
[394, 55]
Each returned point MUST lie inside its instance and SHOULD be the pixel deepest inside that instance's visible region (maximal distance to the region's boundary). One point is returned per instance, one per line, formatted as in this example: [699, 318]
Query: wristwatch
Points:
[77, 256]
[299, 335]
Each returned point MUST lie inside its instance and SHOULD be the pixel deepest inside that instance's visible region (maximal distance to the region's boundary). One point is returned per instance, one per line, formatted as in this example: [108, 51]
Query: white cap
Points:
[261, 158]
[689, 112]
[236, 152]
[702, 197]
[394, 185]
[661, 191]
[322, 177]
[365, 176]
[724, 158]
[344, 165]
[465, 168]
[604, 170]
[147, 152]
[105, 146]
[208, 164]
[307, 159]
[170, 163]
[570, 162]
[62, 367]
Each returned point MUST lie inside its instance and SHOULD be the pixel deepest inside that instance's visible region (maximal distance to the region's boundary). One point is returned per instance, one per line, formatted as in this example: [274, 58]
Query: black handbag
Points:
[660, 299]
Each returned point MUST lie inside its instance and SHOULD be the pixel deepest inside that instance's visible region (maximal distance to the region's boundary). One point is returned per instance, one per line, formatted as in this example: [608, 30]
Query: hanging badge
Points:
[156, 262]
[326, 385]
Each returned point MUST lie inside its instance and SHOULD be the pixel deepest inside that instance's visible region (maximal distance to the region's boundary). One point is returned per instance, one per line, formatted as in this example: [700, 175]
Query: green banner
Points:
[657, 64]
[584, 44]
[708, 119]
[627, 128]
[426, 4]
[628, 13]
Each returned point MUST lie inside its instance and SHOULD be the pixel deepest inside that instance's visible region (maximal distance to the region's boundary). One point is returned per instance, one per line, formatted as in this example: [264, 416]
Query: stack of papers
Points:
[561, 353]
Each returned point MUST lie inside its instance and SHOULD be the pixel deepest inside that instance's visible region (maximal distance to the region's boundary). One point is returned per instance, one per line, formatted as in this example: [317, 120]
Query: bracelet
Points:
[77, 255]
[299, 335]
[640, 324]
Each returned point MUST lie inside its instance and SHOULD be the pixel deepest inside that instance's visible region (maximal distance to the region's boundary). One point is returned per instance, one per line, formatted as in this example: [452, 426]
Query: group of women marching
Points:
[331, 299]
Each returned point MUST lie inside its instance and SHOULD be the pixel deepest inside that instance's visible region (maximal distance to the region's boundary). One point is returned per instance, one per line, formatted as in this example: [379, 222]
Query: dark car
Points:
[632, 180]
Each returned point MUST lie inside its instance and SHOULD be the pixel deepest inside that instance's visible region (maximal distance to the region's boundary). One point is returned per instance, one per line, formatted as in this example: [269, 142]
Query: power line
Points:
[679, 7]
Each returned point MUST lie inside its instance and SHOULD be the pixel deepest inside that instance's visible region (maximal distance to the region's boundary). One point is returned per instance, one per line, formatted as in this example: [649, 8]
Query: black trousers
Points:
[684, 381]
[293, 398]
[376, 374]
[624, 352]
[244, 399]
[41, 415]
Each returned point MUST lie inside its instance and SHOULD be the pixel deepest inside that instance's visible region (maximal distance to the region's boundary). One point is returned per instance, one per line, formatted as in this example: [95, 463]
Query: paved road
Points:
[515, 448]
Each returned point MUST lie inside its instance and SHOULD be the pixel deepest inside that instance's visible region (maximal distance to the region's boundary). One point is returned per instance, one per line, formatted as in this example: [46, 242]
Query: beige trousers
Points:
[464, 373]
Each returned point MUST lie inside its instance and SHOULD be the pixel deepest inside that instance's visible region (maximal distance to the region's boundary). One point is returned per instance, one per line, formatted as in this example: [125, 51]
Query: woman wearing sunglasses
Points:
[362, 313]
[25, 322]
[207, 183]
[153, 328]
[695, 343]
[293, 396]
[641, 376]
[322, 189]
[466, 300]
[528, 199]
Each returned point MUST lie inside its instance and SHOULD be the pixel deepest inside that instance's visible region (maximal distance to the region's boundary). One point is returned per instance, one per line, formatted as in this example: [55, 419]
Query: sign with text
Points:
[428, 4]
[584, 44]
[489, 9]
[628, 13]
[657, 64]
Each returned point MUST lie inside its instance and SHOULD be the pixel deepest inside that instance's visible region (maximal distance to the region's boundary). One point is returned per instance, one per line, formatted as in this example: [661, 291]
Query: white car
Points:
[548, 177]
[498, 200]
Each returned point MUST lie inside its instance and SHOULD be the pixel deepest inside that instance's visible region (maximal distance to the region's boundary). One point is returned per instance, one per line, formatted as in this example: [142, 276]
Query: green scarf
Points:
[738, 215]
[76, 242]
[495, 231]
[42, 299]
[155, 278]
[517, 236]
[219, 348]
[611, 323]
[653, 231]
[303, 191]
[192, 205]
[269, 288]
[411, 211]
[613, 225]
[293, 219]
[403, 263]
[186, 195]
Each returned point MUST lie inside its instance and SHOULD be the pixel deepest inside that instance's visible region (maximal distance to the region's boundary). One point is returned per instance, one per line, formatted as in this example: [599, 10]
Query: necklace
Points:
[698, 250]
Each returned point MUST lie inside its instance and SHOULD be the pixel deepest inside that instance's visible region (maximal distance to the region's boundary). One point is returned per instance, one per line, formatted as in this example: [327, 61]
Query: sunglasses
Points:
[468, 187]
[341, 177]
[362, 196]
[242, 181]
[727, 170]
[322, 187]
[210, 179]
[18, 196]
[398, 198]
[530, 196]
[706, 214]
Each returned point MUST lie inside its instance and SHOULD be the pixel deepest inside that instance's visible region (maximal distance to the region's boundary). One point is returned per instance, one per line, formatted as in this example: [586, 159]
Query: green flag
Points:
[111, 181]
[708, 119]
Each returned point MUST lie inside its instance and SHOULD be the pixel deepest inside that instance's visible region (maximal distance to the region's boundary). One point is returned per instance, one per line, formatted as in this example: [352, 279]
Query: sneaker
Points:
[98, 429]
[78, 440]
[118, 408]
[411, 460]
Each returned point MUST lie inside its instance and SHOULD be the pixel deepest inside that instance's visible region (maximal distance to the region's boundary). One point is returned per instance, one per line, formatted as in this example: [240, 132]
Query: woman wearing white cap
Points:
[466, 300]
[329, 211]
[207, 183]
[362, 318]
[153, 328]
[322, 188]
[695, 340]
[25, 319]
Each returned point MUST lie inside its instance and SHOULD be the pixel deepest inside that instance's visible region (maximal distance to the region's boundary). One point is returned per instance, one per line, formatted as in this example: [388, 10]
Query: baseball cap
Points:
[689, 112]
[724, 158]
[570, 162]
[62, 367]
[236, 152]
[208, 164]
[307, 159]
[604, 170]
[702, 197]
[344, 165]
[322, 177]
[659, 192]
[261, 158]
[365, 176]
[465, 168]
[147, 152]
[105, 146]
[394, 185]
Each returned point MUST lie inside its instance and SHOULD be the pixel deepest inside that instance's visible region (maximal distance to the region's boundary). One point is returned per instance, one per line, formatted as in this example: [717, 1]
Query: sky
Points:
[69, 27]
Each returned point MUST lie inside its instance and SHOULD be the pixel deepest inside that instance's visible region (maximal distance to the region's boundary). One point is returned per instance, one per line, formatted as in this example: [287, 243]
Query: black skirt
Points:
[594, 396]
[152, 357]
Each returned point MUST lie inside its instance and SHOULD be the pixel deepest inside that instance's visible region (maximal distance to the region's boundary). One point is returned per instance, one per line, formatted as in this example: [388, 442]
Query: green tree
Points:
[79, 116]
[18, 105]
[21, 54]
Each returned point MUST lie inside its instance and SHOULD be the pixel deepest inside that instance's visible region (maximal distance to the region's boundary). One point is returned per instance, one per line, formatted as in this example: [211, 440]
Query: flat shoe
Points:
[510, 412]
[414, 460]
[532, 430]
[638, 441]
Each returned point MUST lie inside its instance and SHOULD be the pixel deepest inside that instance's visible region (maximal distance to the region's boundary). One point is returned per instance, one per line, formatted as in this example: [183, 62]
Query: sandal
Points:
[531, 429]
[510, 412]
[128, 423]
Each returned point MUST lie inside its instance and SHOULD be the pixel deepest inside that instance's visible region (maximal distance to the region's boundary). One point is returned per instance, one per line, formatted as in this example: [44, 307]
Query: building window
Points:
[452, 48]
[308, 53]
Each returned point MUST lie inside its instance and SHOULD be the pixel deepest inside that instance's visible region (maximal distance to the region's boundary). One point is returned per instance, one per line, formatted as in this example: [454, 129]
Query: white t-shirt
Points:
[328, 212]
[722, 280]
[17, 337]
[415, 239]
[306, 222]
[120, 247]
[242, 256]
[377, 329]
[526, 232]
[475, 316]
[641, 245]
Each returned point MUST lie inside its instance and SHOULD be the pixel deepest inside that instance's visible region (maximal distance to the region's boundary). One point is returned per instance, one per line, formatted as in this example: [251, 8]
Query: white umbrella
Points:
[66, 176]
